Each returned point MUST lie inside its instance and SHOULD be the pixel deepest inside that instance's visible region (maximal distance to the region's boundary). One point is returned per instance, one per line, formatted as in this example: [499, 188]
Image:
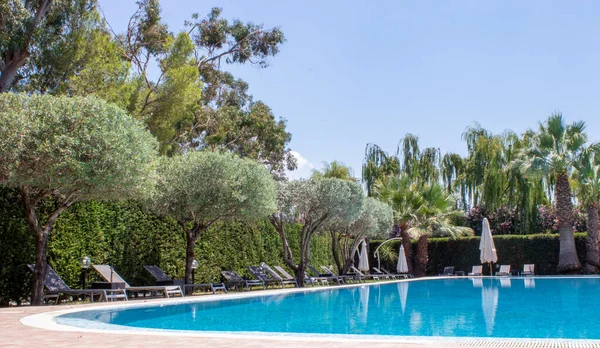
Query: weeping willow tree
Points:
[377, 164]
[482, 178]
[587, 189]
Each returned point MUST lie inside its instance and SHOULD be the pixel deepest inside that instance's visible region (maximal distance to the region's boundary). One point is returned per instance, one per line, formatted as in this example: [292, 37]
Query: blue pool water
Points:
[517, 307]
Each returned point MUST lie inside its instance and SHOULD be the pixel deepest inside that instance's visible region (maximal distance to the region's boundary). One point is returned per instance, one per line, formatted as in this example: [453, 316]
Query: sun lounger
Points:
[109, 274]
[392, 275]
[476, 271]
[364, 276]
[329, 276]
[55, 287]
[277, 277]
[382, 275]
[341, 278]
[528, 270]
[163, 279]
[234, 280]
[310, 280]
[448, 271]
[399, 275]
[504, 270]
[260, 274]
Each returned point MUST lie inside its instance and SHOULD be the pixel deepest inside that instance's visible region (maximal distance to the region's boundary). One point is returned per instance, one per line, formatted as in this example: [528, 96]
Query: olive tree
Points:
[67, 150]
[199, 188]
[375, 221]
[314, 204]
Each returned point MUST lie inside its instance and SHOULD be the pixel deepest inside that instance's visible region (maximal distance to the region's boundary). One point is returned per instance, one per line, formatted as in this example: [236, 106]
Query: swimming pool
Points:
[452, 307]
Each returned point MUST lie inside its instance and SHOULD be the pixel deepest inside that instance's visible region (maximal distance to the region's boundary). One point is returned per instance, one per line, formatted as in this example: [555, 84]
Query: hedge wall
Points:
[124, 235]
[516, 250]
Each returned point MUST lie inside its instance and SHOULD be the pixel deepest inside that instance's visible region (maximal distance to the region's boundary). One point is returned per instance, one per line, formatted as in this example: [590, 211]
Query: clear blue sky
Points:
[354, 72]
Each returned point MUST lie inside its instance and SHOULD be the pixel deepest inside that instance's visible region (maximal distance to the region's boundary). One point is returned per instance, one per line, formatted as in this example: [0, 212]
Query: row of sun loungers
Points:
[528, 270]
[165, 286]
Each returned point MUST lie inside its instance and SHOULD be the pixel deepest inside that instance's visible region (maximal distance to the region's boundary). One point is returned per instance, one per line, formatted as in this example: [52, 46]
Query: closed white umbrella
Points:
[487, 247]
[363, 258]
[402, 265]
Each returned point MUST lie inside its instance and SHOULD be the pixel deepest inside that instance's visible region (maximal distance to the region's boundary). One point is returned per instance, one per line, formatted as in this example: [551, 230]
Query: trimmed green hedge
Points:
[516, 250]
[124, 235]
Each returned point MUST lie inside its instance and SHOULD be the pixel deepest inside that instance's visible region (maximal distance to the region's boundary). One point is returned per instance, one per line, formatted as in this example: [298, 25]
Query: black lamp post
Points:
[194, 266]
[85, 263]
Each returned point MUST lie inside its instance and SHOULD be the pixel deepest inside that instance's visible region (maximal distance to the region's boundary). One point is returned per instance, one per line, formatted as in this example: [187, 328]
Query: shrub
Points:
[515, 250]
[127, 237]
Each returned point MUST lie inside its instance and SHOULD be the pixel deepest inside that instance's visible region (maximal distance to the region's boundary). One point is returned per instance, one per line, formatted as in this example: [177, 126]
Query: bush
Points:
[125, 236]
[506, 221]
[515, 250]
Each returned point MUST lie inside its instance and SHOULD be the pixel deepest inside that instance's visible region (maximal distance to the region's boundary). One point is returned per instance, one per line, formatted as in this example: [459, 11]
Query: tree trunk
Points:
[568, 262]
[11, 67]
[299, 272]
[17, 57]
[39, 272]
[349, 258]
[422, 257]
[30, 200]
[191, 238]
[592, 254]
[335, 251]
[408, 250]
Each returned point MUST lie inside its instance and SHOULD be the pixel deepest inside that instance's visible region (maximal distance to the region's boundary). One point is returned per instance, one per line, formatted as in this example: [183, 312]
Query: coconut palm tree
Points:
[555, 148]
[587, 178]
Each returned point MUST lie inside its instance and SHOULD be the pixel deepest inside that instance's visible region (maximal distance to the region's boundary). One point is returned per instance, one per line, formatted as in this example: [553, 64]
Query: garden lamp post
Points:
[85, 263]
[194, 266]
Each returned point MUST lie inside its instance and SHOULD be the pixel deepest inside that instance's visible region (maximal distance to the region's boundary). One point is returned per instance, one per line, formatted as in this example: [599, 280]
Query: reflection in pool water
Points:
[464, 307]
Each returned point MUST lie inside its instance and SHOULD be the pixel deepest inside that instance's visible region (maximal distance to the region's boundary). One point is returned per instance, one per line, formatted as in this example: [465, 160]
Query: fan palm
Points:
[555, 148]
[587, 178]
[401, 194]
[420, 211]
[434, 217]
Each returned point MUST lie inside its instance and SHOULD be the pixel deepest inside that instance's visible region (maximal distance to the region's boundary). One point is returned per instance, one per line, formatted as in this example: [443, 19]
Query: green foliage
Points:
[124, 235]
[320, 202]
[334, 169]
[17, 244]
[375, 221]
[174, 99]
[514, 250]
[81, 148]
[202, 187]
[42, 34]
[252, 132]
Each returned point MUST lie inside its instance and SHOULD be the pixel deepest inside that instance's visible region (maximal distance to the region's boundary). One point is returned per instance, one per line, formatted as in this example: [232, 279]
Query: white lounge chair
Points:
[476, 271]
[109, 274]
[528, 270]
[504, 270]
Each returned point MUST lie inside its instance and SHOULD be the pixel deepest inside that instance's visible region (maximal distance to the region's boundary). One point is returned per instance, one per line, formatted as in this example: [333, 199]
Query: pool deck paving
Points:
[14, 333]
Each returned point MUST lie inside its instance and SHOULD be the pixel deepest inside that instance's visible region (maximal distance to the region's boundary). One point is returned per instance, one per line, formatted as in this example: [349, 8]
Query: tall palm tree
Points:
[401, 194]
[420, 211]
[435, 216]
[555, 148]
[587, 178]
